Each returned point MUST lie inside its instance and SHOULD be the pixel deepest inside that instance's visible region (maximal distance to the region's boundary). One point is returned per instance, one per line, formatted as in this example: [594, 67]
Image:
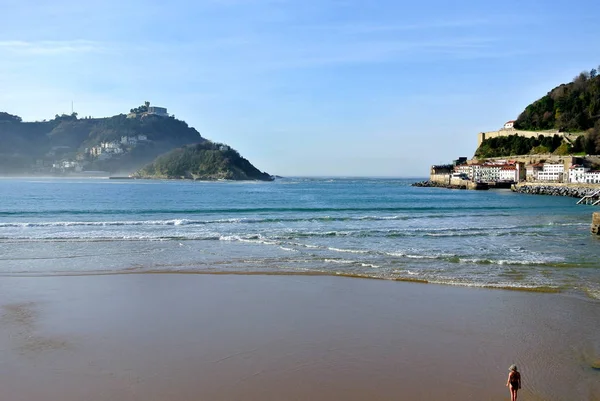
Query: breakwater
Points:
[452, 184]
[557, 189]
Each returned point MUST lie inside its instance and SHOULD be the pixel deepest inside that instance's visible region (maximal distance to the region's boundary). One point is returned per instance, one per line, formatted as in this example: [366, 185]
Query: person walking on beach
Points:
[514, 382]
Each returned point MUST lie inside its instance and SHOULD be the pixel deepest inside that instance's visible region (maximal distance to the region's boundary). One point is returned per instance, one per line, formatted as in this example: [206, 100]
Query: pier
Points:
[592, 199]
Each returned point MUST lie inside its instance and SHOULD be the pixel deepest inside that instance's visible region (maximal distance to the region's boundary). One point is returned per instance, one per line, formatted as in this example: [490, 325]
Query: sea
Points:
[378, 228]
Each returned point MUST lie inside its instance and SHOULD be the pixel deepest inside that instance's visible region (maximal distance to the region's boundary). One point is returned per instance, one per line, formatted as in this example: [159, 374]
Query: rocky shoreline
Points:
[434, 184]
[425, 184]
[453, 184]
[555, 190]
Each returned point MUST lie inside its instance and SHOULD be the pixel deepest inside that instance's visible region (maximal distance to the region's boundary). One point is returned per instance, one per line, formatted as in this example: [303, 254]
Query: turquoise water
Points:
[379, 228]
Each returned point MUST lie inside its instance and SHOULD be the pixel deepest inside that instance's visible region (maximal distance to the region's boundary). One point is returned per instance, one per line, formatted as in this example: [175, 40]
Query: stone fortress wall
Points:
[568, 136]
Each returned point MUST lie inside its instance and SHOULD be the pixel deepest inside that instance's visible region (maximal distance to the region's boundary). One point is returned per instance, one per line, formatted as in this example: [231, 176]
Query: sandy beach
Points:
[181, 337]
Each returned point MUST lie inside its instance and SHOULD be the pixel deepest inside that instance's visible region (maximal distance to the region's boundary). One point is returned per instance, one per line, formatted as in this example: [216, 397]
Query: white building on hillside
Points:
[593, 177]
[488, 173]
[110, 145]
[583, 175]
[96, 151]
[509, 124]
[491, 172]
[577, 173]
[532, 171]
[551, 172]
[509, 173]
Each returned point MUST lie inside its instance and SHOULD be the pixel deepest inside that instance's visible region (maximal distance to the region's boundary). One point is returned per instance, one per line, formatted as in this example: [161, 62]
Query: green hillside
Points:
[572, 107]
[204, 161]
[38, 147]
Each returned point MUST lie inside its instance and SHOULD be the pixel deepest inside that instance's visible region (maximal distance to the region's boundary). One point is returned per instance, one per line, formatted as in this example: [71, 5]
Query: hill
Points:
[68, 144]
[203, 161]
[572, 107]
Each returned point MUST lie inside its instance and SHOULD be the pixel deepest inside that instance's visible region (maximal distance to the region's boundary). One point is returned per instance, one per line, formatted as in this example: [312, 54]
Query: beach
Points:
[182, 337]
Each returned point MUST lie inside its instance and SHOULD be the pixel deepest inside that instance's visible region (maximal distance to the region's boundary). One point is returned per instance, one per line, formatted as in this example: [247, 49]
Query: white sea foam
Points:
[347, 250]
[507, 261]
[288, 249]
[369, 265]
[420, 256]
[592, 292]
[340, 261]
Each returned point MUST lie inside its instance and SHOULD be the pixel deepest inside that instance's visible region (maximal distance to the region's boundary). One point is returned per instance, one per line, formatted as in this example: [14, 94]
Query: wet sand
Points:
[183, 337]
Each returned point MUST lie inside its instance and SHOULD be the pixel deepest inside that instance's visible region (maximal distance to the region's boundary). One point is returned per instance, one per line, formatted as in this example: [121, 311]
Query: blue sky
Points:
[329, 87]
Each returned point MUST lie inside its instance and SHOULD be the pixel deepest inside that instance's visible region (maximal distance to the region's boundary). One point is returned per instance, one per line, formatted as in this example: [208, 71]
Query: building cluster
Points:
[581, 174]
[499, 171]
[64, 159]
[107, 149]
[512, 171]
[66, 165]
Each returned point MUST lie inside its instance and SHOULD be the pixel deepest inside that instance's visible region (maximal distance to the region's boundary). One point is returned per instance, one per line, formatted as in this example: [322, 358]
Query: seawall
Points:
[447, 181]
[556, 189]
[569, 136]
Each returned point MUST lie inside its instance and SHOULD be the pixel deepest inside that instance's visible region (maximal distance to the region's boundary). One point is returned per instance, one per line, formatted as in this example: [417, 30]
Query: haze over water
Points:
[378, 228]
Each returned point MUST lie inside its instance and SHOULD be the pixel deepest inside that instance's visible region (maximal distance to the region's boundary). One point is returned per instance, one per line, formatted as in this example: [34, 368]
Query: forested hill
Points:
[572, 107]
[68, 143]
[205, 161]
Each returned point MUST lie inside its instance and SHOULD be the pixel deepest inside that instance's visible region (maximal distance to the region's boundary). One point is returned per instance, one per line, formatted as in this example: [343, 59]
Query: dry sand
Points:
[229, 337]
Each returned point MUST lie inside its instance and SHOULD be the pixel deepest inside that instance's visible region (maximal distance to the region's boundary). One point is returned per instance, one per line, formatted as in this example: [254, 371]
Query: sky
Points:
[301, 87]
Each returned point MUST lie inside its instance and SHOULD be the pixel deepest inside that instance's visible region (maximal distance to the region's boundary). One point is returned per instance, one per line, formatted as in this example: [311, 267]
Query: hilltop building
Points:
[158, 111]
[509, 124]
[147, 110]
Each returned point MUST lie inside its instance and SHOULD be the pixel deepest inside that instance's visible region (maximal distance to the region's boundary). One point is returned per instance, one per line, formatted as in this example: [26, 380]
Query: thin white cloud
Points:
[49, 47]
[372, 28]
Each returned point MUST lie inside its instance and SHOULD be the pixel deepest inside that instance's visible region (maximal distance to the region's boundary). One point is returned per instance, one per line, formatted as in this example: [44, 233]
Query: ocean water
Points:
[358, 227]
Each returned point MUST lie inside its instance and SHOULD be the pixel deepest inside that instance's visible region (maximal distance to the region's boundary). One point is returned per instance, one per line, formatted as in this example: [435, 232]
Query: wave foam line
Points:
[246, 210]
[191, 222]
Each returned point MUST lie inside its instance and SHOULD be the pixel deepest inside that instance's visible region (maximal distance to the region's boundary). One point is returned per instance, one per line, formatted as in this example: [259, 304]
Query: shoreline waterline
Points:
[544, 290]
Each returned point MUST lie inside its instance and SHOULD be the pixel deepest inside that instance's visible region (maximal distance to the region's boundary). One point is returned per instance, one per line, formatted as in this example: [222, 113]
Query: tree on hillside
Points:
[591, 141]
[10, 117]
[568, 107]
[141, 109]
[514, 145]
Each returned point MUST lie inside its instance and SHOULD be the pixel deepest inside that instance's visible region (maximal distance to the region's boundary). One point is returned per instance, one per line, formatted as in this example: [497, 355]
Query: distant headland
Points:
[137, 143]
[555, 140]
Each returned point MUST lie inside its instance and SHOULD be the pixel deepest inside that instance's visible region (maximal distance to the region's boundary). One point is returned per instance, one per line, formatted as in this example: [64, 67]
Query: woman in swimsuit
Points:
[514, 382]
